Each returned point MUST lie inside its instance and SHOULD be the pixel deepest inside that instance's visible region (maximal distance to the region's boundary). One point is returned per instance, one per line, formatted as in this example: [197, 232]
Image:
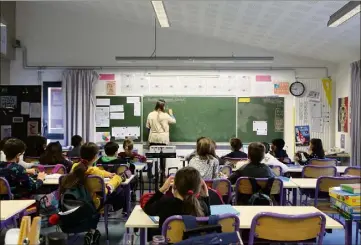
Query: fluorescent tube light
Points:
[2, 24]
[195, 60]
[344, 14]
[160, 13]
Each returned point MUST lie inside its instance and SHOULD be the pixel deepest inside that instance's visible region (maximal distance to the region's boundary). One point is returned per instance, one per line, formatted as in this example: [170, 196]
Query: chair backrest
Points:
[356, 171]
[287, 160]
[277, 170]
[117, 168]
[314, 171]
[173, 227]
[244, 187]
[323, 162]
[122, 168]
[325, 183]
[48, 169]
[74, 159]
[233, 161]
[223, 187]
[31, 159]
[226, 170]
[276, 227]
[5, 188]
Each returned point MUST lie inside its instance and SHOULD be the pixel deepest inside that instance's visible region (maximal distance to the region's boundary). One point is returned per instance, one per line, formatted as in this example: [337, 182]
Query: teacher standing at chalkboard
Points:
[158, 124]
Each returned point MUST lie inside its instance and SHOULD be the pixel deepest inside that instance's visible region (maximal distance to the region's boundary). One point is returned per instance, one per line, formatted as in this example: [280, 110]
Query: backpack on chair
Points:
[78, 212]
[261, 197]
[210, 234]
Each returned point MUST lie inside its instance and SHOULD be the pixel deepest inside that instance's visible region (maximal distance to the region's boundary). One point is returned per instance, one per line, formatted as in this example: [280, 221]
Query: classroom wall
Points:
[343, 89]
[8, 16]
[4, 72]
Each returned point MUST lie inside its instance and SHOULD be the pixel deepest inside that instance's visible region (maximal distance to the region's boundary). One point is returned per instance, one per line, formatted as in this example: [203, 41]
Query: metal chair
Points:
[173, 227]
[275, 227]
[49, 169]
[226, 170]
[243, 187]
[223, 187]
[356, 171]
[314, 171]
[277, 170]
[114, 168]
[323, 162]
[5, 191]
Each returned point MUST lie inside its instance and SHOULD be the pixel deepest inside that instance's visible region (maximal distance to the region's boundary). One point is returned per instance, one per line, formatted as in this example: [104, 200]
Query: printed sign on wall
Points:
[342, 121]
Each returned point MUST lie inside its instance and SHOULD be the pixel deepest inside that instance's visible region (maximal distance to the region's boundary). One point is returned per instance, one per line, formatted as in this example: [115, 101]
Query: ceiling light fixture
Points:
[194, 60]
[161, 14]
[344, 14]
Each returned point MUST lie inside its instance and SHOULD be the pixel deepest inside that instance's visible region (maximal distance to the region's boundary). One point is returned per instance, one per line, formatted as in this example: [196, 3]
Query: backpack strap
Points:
[213, 220]
[268, 188]
[190, 222]
[255, 187]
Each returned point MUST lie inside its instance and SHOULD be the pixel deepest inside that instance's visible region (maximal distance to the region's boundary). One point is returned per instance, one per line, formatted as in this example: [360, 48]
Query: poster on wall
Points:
[110, 87]
[33, 128]
[342, 141]
[342, 121]
[281, 88]
[302, 135]
[5, 131]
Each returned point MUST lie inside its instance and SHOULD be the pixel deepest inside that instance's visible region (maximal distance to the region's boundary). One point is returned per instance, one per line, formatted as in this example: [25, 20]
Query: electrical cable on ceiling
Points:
[154, 54]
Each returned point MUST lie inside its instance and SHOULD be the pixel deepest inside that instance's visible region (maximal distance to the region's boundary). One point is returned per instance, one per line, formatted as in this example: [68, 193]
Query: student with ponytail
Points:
[190, 197]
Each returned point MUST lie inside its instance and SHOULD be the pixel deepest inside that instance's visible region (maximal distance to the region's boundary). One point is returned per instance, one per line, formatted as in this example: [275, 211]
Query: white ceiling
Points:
[293, 27]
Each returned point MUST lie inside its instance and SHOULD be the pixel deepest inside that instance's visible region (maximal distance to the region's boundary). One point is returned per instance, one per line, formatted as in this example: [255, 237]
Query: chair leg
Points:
[357, 231]
[106, 213]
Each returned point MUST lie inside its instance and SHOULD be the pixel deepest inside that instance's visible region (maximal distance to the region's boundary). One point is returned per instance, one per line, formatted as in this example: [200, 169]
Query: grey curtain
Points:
[355, 113]
[79, 103]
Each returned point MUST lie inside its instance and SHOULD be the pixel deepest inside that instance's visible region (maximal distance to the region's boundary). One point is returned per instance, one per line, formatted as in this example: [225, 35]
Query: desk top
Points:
[139, 166]
[9, 208]
[298, 169]
[55, 181]
[138, 219]
[305, 183]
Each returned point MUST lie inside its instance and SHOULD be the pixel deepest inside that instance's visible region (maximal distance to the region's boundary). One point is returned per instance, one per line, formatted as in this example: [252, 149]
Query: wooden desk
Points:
[138, 219]
[10, 208]
[298, 169]
[305, 183]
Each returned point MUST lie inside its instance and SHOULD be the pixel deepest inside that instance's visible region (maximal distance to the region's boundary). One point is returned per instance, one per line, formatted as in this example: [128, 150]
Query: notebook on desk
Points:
[223, 209]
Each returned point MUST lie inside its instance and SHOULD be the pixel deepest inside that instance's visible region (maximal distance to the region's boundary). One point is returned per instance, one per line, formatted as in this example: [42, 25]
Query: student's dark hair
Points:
[256, 152]
[160, 105]
[13, 147]
[236, 144]
[35, 146]
[317, 147]
[279, 143]
[2, 142]
[75, 178]
[88, 151]
[205, 149]
[266, 146]
[76, 140]
[187, 182]
[111, 148]
[53, 154]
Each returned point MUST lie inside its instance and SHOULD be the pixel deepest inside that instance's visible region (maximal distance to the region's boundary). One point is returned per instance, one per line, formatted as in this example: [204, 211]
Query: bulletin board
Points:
[20, 110]
[124, 116]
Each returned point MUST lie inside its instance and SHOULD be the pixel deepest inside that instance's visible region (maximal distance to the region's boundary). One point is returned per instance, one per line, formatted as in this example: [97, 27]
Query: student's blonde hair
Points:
[128, 144]
[205, 149]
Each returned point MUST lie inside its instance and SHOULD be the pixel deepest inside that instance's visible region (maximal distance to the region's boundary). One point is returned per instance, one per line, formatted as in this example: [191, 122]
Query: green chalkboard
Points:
[129, 119]
[197, 116]
[270, 109]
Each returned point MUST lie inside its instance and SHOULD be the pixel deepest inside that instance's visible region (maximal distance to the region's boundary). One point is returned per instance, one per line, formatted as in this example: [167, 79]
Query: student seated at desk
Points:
[54, 155]
[271, 160]
[194, 152]
[277, 149]
[21, 184]
[316, 152]
[26, 165]
[255, 168]
[35, 146]
[187, 185]
[128, 153]
[111, 152]
[236, 146]
[76, 142]
[205, 161]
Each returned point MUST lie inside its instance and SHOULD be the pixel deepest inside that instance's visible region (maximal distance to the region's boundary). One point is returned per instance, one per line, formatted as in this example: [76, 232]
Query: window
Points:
[53, 118]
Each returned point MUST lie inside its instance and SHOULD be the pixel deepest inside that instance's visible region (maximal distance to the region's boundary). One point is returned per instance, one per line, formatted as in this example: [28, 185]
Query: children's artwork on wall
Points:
[342, 141]
[302, 135]
[33, 129]
[5, 131]
[110, 87]
[342, 121]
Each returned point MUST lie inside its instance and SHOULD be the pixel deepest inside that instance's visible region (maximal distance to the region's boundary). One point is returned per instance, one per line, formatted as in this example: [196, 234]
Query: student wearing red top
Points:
[130, 154]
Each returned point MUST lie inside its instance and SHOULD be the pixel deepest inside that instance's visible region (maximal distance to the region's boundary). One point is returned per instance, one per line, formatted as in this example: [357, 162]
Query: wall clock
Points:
[297, 89]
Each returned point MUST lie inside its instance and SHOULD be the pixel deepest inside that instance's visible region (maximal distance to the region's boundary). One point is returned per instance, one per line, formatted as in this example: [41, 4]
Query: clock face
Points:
[297, 88]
